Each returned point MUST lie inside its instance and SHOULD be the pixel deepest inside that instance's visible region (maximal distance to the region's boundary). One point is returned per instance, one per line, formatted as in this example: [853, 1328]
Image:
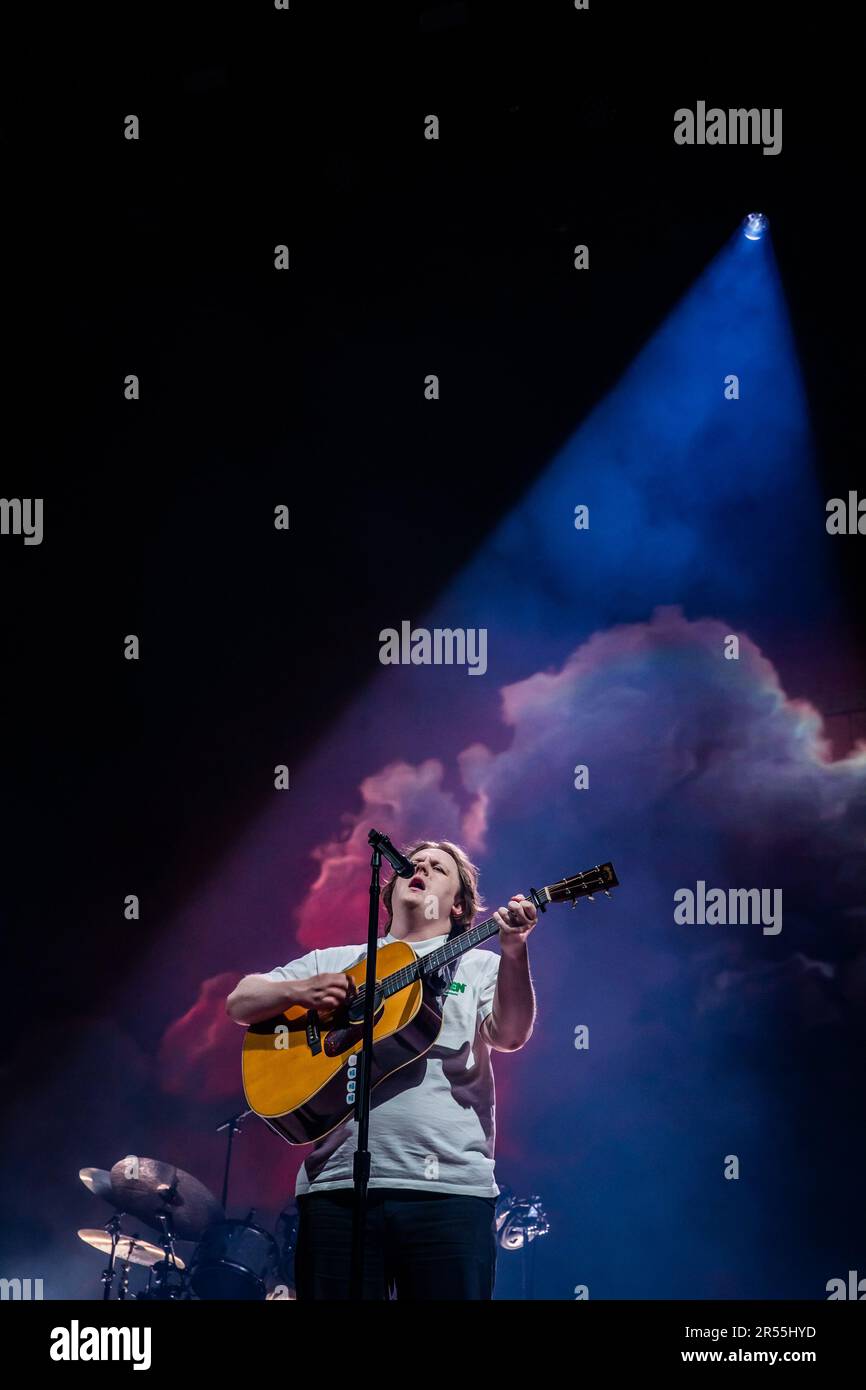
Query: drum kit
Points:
[231, 1259]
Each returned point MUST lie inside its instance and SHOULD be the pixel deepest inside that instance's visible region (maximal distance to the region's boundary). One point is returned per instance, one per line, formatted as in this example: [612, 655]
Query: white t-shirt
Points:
[433, 1122]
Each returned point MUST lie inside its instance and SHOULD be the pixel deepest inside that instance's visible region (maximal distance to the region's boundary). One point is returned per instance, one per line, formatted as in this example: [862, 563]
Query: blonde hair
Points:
[468, 874]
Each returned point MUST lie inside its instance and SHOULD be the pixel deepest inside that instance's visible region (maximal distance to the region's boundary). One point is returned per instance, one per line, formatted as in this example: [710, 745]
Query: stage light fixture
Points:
[754, 226]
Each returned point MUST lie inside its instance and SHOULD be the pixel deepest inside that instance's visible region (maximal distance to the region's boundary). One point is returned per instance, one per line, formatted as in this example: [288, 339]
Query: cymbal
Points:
[150, 1189]
[98, 1180]
[131, 1249]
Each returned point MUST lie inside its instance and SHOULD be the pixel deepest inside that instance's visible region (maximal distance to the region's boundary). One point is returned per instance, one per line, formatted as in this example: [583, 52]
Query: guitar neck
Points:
[427, 965]
[599, 879]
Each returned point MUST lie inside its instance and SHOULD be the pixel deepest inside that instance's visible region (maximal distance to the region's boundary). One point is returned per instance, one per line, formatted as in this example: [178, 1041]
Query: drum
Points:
[164, 1282]
[233, 1260]
[158, 1292]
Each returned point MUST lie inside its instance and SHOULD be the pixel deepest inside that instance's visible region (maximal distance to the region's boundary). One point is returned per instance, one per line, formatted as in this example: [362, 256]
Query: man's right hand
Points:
[256, 998]
[323, 992]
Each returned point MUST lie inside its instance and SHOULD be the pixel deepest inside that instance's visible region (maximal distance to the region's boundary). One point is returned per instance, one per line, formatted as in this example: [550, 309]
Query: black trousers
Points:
[419, 1245]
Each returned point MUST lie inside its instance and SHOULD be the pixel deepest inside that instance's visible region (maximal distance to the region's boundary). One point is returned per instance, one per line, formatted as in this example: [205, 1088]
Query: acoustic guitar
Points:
[300, 1067]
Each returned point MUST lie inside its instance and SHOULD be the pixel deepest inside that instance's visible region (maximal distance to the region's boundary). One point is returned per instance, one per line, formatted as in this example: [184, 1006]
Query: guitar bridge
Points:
[314, 1037]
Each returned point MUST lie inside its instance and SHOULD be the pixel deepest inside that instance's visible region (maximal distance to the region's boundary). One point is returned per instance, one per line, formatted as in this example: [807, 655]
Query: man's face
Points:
[431, 893]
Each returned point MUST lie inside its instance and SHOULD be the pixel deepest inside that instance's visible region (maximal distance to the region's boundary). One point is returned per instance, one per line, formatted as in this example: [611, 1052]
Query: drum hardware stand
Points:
[117, 1264]
[112, 1226]
[123, 1286]
[158, 1275]
[233, 1126]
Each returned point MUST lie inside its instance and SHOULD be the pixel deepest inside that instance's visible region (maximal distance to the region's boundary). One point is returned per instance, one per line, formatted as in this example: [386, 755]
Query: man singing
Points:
[432, 1192]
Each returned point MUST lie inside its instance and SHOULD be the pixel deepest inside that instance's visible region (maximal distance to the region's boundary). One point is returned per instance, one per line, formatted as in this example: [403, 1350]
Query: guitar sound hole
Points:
[341, 1039]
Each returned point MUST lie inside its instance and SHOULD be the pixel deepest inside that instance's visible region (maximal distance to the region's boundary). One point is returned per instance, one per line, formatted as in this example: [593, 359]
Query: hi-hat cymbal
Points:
[131, 1249]
[98, 1180]
[150, 1189]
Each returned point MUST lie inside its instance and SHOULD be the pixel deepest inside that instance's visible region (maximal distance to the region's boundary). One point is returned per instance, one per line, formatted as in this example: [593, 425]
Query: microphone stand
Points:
[233, 1126]
[361, 1165]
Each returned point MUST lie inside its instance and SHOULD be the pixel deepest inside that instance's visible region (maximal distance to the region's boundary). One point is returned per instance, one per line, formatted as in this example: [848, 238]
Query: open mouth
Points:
[418, 882]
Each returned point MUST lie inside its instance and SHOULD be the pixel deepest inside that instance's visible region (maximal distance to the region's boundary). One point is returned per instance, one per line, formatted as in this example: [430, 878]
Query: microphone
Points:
[399, 863]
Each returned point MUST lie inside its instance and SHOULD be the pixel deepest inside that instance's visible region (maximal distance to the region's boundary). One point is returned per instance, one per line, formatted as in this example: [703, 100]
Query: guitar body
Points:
[296, 1065]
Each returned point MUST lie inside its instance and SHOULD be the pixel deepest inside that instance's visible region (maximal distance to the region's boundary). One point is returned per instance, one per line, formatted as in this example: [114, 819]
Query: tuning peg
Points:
[606, 894]
[590, 898]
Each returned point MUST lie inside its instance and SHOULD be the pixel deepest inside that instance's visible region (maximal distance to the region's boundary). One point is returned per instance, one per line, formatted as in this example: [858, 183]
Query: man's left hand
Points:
[515, 923]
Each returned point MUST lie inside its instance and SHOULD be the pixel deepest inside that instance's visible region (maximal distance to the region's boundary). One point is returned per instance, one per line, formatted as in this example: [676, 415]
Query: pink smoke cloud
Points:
[199, 1054]
[674, 735]
[655, 709]
[408, 802]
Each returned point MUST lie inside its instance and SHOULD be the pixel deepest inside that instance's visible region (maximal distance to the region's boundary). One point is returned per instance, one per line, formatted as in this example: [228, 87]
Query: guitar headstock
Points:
[599, 879]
